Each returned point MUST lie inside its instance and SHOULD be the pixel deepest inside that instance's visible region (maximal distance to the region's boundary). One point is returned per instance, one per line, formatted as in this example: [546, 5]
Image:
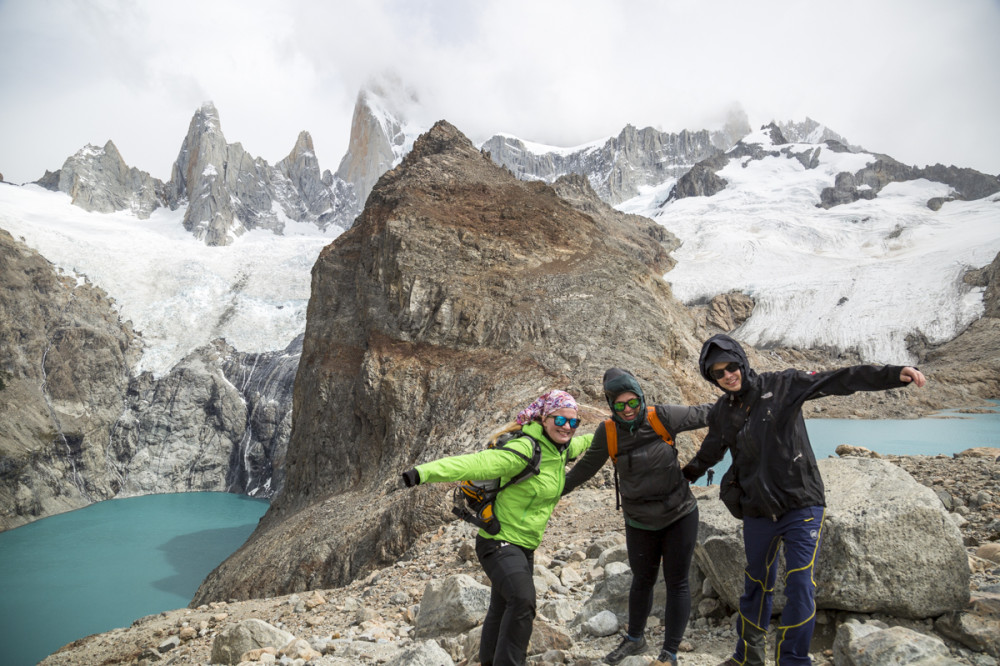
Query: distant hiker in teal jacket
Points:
[523, 510]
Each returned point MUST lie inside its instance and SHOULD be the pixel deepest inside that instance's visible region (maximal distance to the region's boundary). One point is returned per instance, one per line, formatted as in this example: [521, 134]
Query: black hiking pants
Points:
[509, 619]
[674, 545]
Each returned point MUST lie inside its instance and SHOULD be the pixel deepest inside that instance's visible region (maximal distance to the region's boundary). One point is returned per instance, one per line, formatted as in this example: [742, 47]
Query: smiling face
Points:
[728, 378]
[559, 434]
[629, 412]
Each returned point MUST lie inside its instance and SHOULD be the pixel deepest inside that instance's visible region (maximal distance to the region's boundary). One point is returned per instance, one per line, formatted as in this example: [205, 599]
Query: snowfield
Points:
[860, 276]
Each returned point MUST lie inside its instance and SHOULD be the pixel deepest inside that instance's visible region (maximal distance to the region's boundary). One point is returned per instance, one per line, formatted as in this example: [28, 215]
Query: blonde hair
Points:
[513, 426]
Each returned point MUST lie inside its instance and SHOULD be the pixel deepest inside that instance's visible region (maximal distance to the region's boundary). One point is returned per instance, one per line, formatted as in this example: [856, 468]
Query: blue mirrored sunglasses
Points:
[563, 420]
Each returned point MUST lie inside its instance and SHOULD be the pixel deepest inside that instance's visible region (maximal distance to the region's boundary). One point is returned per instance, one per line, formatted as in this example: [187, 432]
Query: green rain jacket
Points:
[524, 508]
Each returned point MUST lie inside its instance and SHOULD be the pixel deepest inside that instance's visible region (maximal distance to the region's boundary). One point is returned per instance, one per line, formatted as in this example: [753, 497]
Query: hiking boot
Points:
[730, 662]
[627, 648]
[666, 659]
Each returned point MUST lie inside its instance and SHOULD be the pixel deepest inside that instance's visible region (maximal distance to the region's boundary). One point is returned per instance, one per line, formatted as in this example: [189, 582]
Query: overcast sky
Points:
[917, 79]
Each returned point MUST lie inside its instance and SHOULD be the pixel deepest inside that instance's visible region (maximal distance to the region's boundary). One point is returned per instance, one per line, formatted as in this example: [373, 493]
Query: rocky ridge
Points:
[225, 191]
[377, 619]
[621, 165]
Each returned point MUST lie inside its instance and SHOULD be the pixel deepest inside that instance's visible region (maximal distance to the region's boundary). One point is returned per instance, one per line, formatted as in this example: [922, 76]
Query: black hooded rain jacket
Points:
[763, 428]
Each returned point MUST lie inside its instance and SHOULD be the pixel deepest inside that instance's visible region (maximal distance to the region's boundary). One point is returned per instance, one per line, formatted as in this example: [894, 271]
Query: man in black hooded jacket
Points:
[774, 484]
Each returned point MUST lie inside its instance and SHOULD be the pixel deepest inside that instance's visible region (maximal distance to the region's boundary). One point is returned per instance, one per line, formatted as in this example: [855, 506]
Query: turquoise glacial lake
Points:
[103, 566]
[100, 567]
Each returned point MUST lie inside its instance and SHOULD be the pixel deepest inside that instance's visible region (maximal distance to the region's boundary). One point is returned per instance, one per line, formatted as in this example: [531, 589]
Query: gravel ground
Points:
[383, 604]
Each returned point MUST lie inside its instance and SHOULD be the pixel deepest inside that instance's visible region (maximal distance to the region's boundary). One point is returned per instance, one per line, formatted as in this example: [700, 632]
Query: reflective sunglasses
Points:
[620, 406]
[563, 420]
[732, 367]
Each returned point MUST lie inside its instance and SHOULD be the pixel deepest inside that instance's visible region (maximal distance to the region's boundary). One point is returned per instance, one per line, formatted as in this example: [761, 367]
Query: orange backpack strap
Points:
[654, 421]
[611, 432]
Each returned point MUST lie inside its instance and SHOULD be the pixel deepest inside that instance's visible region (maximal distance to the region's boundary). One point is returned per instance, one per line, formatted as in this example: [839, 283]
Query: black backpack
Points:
[473, 500]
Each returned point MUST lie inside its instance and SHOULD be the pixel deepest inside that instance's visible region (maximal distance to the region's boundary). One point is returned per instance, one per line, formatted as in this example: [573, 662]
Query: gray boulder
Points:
[451, 606]
[888, 545]
[875, 644]
[427, 653]
[244, 636]
[611, 592]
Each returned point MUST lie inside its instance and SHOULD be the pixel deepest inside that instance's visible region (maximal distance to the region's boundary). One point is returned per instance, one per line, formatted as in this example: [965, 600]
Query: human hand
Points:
[913, 375]
[411, 477]
[689, 474]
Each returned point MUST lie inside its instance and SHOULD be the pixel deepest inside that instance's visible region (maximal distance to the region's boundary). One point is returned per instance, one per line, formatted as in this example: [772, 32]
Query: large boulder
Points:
[888, 545]
[451, 606]
[237, 639]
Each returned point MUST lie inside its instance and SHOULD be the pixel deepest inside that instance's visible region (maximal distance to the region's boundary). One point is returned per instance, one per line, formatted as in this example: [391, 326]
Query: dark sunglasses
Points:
[563, 420]
[732, 367]
[620, 406]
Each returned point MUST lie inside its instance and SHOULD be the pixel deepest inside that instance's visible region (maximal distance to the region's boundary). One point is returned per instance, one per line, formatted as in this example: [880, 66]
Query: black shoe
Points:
[666, 658]
[627, 648]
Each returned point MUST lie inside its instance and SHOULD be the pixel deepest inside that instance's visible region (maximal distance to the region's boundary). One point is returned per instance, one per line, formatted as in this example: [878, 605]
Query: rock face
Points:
[618, 168]
[65, 361]
[870, 560]
[218, 421]
[99, 181]
[378, 142]
[866, 183]
[967, 368]
[460, 294]
[77, 426]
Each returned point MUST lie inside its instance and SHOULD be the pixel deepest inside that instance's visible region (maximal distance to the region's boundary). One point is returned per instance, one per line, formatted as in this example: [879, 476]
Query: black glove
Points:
[690, 474]
[411, 477]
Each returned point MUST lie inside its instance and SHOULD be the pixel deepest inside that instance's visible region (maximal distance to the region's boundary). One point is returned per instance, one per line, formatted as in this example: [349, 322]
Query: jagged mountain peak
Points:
[303, 145]
[380, 137]
[206, 118]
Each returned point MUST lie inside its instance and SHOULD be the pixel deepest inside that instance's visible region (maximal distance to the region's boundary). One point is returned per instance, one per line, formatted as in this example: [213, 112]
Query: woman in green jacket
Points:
[523, 510]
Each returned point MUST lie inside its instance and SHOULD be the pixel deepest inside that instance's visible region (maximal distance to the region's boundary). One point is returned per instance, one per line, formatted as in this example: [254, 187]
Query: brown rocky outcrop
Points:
[65, 361]
[459, 295]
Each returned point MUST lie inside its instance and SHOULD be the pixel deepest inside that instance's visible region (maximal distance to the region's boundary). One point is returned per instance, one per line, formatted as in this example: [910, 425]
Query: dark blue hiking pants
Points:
[800, 530]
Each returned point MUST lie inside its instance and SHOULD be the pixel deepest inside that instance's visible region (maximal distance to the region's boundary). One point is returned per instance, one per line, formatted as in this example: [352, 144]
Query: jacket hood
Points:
[722, 346]
[618, 381]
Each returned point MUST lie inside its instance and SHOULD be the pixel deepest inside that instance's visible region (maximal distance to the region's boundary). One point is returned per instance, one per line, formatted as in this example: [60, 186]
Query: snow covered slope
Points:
[178, 292]
[859, 276]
